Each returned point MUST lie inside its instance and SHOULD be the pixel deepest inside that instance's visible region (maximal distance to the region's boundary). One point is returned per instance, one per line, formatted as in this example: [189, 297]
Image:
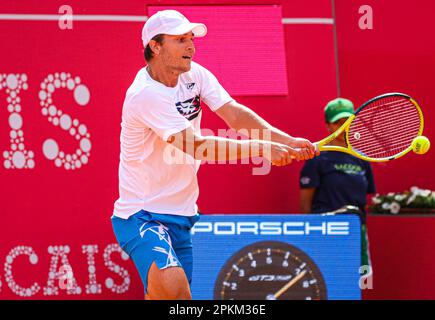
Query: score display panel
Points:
[277, 257]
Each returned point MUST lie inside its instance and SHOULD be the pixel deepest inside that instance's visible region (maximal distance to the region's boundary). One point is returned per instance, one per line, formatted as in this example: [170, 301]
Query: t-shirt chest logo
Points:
[349, 168]
[190, 108]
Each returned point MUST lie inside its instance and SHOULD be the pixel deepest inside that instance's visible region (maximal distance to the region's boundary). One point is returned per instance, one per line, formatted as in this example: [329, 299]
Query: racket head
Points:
[384, 127]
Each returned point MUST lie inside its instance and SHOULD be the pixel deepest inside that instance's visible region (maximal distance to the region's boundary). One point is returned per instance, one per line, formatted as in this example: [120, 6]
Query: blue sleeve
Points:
[371, 188]
[310, 175]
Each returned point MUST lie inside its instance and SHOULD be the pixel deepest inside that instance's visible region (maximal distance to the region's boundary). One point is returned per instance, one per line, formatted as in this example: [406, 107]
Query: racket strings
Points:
[386, 138]
[384, 128]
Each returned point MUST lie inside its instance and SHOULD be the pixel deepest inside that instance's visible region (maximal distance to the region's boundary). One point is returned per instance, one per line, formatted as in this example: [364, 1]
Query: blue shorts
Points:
[161, 238]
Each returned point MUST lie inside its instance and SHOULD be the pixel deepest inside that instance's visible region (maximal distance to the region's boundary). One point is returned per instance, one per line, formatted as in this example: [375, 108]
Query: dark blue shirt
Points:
[339, 179]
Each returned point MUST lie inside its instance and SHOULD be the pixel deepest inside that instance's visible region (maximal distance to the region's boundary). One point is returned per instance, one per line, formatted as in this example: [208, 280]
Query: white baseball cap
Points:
[170, 22]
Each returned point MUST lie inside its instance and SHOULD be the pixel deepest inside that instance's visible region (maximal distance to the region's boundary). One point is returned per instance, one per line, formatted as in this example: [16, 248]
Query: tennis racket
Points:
[382, 129]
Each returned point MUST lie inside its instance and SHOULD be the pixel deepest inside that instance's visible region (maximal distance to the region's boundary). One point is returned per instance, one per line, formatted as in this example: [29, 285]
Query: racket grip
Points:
[317, 150]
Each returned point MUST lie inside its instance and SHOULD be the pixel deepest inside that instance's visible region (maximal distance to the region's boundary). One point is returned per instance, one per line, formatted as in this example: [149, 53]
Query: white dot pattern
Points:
[92, 287]
[64, 121]
[110, 283]
[33, 259]
[64, 274]
[13, 159]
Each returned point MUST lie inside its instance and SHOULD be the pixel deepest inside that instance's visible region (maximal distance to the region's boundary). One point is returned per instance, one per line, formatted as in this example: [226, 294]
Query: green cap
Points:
[337, 109]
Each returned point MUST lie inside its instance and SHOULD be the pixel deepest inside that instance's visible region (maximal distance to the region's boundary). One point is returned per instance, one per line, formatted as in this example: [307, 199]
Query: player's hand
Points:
[278, 154]
[301, 143]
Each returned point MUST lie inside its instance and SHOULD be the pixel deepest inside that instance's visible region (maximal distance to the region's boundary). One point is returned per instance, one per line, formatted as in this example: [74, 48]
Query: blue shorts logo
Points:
[165, 243]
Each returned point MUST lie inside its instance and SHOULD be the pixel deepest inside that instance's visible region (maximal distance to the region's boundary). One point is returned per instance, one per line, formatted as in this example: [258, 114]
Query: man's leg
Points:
[149, 245]
[167, 284]
[158, 265]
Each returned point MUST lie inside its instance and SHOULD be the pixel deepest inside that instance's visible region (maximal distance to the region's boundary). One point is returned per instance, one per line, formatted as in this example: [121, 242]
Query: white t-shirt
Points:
[151, 113]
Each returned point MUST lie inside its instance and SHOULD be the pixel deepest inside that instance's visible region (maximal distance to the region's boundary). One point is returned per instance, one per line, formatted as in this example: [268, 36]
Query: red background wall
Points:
[73, 208]
[397, 55]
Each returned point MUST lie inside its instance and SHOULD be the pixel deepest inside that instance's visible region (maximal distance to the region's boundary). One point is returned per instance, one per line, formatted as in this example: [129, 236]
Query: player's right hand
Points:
[278, 154]
[301, 154]
[282, 155]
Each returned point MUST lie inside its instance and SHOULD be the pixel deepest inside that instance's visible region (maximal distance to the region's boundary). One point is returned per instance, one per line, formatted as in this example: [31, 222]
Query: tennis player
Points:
[157, 199]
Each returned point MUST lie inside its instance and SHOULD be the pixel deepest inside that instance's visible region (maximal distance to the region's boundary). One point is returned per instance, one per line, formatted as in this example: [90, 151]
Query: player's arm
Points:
[212, 148]
[243, 119]
[306, 199]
